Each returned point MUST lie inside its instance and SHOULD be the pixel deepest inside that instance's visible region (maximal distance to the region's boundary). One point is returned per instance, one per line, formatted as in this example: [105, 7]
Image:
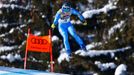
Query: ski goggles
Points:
[66, 9]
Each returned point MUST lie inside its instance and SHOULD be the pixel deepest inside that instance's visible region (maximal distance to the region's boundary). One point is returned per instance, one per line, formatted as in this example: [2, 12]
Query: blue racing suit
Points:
[64, 26]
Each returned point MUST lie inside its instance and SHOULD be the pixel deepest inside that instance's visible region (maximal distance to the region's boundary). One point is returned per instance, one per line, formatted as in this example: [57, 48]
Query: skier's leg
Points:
[64, 34]
[77, 38]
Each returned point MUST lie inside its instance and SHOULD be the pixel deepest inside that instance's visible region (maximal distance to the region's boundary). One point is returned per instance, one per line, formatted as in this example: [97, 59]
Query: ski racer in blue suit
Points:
[62, 19]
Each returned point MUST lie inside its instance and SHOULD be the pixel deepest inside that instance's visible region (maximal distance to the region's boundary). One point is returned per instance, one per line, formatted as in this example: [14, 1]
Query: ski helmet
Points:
[66, 7]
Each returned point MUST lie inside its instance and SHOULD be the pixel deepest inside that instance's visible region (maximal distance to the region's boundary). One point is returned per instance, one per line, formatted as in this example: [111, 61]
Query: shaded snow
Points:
[121, 70]
[105, 66]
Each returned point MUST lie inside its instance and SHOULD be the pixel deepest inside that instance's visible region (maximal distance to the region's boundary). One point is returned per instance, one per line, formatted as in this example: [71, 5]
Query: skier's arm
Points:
[75, 12]
[55, 22]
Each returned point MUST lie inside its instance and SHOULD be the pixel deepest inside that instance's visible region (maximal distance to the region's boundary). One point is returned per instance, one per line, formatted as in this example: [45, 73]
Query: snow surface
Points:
[37, 33]
[105, 9]
[23, 43]
[76, 22]
[10, 57]
[93, 53]
[89, 13]
[17, 57]
[63, 55]
[55, 38]
[105, 66]
[93, 45]
[3, 25]
[16, 71]
[12, 6]
[12, 29]
[121, 70]
[91, 37]
[7, 48]
[90, 1]
[82, 7]
[115, 27]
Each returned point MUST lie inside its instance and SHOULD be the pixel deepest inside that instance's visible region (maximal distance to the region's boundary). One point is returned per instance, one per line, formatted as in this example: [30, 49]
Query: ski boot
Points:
[69, 54]
[83, 47]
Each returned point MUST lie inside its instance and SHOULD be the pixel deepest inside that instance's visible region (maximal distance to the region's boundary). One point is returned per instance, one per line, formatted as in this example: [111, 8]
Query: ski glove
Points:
[85, 23]
[52, 26]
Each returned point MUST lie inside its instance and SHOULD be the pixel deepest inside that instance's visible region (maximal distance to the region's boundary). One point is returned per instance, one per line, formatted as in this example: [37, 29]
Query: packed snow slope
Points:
[16, 71]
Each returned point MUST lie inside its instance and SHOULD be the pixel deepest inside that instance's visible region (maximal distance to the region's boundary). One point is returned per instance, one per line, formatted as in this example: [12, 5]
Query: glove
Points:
[85, 23]
[52, 26]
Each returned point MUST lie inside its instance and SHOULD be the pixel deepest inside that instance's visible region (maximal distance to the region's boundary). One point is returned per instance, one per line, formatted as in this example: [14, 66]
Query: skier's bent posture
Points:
[62, 19]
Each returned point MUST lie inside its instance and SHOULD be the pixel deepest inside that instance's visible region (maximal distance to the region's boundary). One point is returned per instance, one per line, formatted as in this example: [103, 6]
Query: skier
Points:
[62, 19]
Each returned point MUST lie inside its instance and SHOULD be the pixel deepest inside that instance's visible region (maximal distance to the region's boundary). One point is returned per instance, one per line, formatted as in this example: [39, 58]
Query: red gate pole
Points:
[51, 53]
[25, 59]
